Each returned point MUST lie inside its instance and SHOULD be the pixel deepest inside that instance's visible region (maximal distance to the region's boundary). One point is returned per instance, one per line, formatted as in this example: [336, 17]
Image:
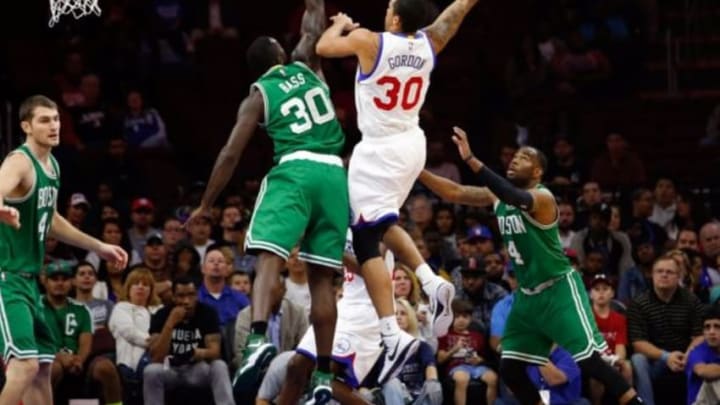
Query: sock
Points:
[424, 273]
[389, 327]
[323, 364]
[258, 328]
[635, 401]
[114, 403]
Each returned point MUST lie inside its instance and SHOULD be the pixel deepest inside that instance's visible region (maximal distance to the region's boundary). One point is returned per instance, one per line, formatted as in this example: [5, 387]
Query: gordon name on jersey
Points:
[412, 61]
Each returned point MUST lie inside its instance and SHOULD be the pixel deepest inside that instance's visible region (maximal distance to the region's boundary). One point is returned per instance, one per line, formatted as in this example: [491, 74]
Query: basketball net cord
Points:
[78, 9]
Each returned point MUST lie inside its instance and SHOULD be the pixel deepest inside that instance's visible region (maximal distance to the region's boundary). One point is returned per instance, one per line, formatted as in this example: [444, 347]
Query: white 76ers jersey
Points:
[389, 98]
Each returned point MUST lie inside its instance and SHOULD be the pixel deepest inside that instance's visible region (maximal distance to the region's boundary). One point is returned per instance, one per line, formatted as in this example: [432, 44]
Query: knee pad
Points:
[366, 241]
[595, 367]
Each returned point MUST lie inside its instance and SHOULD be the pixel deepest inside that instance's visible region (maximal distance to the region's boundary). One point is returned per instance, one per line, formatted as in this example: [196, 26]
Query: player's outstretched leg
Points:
[399, 345]
[595, 367]
[439, 291]
[259, 352]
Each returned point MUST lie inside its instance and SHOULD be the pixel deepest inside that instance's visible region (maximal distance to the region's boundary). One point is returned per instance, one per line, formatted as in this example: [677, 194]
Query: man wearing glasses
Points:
[664, 324]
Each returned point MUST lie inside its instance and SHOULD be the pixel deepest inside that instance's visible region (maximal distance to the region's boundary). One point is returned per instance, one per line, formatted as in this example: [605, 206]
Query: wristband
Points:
[664, 356]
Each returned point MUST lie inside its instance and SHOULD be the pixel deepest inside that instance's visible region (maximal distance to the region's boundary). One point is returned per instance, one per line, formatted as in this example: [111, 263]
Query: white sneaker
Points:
[440, 293]
[396, 356]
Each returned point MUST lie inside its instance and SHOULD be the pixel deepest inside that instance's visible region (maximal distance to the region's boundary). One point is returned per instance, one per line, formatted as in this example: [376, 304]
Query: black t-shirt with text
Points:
[189, 334]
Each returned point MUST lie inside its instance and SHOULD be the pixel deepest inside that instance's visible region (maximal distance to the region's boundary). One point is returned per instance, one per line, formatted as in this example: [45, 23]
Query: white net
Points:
[78, 9]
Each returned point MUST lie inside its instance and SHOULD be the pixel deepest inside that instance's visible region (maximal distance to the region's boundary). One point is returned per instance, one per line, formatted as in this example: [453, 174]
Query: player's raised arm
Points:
[447, 23]
[540, 203]
[250, 113]
[11, 174]
[358, 41]
[453, 192]
[311, 28]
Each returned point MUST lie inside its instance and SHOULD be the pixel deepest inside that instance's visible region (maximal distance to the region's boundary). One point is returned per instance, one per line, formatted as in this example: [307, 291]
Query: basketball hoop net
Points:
[78, 9]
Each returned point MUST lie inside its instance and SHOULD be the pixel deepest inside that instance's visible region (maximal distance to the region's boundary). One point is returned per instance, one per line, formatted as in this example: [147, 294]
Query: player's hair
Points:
[261, 55]
[462, 307]
[540, 157]
[413, 14]
[27, 108]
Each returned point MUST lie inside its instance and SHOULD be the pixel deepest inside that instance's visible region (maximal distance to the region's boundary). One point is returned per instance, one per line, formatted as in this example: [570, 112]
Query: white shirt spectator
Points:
[298, 294]
[129, 325]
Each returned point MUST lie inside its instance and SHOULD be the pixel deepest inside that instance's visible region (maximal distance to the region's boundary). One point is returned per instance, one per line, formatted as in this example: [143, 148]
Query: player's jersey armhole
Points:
[432, 48]
[31, 190]
[266, 102]
[496, 204]
[535, 222]
[361, 77]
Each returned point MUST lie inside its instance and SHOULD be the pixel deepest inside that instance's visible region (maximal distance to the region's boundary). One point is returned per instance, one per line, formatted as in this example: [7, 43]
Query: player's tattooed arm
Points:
[312, 26]
[448, 22]
[250, 113]
[453, 192]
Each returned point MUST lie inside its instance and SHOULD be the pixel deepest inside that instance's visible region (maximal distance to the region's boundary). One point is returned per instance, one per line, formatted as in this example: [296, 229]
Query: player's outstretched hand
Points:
[345, 21]
[10, 216]
[198, 212]
[113, 254]
[460, 139]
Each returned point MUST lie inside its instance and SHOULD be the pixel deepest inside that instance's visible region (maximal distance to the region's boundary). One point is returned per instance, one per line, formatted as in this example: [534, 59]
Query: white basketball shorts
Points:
[381, 174]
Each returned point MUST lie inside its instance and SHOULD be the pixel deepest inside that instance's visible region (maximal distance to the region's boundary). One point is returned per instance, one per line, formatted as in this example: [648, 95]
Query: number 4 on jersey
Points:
[513, 252]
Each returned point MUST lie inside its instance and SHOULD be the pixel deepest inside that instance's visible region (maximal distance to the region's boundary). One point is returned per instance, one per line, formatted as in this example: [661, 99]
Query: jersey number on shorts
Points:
[408, 99]
[42, 226]
[316, 102]
[513, 252]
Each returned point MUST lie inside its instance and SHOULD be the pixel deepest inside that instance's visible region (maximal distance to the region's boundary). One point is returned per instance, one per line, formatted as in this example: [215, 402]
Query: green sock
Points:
[114, 403]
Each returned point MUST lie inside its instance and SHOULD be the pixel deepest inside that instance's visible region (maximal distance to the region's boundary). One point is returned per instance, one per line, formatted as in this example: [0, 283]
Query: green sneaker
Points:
[320, 388]
[257, 355]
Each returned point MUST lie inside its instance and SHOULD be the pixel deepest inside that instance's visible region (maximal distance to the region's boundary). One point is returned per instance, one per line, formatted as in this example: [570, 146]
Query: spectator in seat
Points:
[421, 214]
[495, 267]
[638, 279]
[286, 326]
[500, 313]
[560, 378]
[84, 282]
[144, 128]
[71, 323]
[566, 222]
[417, 383]
[297, 289]
[615, 246]
[130, 323]
[199, 231]
[142, 217]
[710, 247]
[665, 207]
[618, 167]
[185, 348]
[592, 267]
[482, 294]
[564, 169]
[215, 292]
[92, 120]
[445, 224]
[406, 285]
[462, 351]
[703, 363]
[638, 227]
[240, 282]
[111, 232]
[664, 324]
[613, 327]
[437, 163]
[687, 239]
[591, 196]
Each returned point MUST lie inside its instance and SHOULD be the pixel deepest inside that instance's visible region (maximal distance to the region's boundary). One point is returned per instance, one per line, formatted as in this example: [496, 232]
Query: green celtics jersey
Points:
[535, 249]
[68, 323]
[23, 250]
[299, 114]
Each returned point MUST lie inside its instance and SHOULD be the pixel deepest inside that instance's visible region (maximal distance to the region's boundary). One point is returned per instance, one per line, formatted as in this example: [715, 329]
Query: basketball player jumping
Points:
[29, 184]
[551, 305]
[392, 82]
[303, 197]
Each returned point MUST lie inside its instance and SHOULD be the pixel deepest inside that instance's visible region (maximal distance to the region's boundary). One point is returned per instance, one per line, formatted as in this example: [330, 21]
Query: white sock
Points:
[389, 328]
[424, 273]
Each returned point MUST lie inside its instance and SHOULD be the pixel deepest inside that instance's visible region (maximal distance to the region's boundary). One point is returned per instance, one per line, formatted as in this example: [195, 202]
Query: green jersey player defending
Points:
[303, 199]
[551, 305]
[29, 184]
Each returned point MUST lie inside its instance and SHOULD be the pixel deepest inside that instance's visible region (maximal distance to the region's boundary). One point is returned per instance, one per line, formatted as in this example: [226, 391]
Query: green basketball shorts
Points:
[559, 314]
[303, 201]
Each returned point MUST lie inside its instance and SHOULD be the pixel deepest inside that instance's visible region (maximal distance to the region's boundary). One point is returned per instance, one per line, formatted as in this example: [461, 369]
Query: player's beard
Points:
[520, 182]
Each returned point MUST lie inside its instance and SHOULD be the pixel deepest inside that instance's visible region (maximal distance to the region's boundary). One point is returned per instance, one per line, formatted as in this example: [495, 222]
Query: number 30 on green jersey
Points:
[314, 101]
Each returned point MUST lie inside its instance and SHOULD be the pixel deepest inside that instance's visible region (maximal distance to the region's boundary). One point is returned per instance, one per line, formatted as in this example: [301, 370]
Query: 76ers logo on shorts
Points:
[342, 346]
